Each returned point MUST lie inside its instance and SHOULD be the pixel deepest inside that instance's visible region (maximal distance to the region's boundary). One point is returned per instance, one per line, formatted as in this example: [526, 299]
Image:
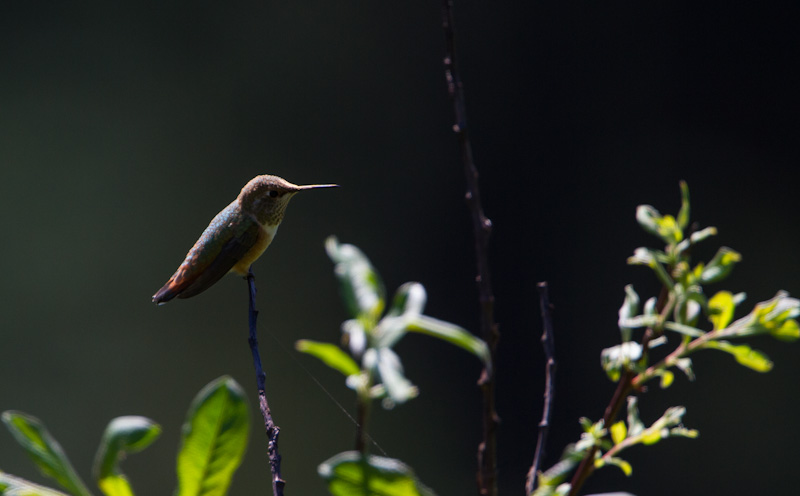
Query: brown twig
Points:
[548, 343]
[482, 227]
[273, 431]
[624, 387]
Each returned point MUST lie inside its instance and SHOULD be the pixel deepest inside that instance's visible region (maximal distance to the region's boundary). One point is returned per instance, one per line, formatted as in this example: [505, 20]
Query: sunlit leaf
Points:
[663, 226]
[330, 354]
[635, 425]
[743, 354]
[44, 450]
[720, 309]
[351, 474]
[695, 238]
[646, 256]
[720, 266]
[685, 365]
[617, 462]
[390, 371]
[453, 334]
[666, 379]
[628, 310]
[122, 436]
[683, 214]
[361, 286]
[615, 358]
[15, 486]
[618, 432]
[214, 439]
[683, 329]
[788, 331]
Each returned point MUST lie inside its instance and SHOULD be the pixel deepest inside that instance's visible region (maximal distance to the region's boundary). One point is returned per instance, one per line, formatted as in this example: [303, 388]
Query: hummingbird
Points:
[235, 238]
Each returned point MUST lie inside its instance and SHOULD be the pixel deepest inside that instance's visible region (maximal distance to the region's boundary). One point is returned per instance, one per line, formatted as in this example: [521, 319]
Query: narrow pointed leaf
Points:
[350, 474]
[628, 310]
[214, 439]
[330, 354]
[44, 450]
[683, 214]
[122, 436]
[617, 462]
[15, 486]
[720, 266]
[743, 354]
[618, 432]
[453, 334]
[361, 286]
[390, 370]
[720, 309]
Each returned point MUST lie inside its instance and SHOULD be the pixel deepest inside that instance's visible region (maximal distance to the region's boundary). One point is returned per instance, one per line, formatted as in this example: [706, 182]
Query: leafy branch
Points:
[677, 311]
[212, 446]
[374, 371]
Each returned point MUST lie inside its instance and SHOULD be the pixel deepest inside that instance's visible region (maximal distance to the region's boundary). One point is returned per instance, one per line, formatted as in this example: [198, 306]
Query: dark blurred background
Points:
[125, 126]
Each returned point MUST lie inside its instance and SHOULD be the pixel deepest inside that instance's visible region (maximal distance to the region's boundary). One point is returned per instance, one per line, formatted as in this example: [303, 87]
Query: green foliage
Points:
[44, 450]
[352, 474]
[123, 435]
[214, 439]
[370, 336]
[14, 486]
[677, 312]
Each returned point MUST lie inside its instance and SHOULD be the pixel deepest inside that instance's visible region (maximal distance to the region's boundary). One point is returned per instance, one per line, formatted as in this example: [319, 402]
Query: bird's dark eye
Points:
[273, 194]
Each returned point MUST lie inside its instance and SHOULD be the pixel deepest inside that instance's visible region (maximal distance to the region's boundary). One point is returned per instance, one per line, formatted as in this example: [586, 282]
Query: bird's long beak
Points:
[315, 186]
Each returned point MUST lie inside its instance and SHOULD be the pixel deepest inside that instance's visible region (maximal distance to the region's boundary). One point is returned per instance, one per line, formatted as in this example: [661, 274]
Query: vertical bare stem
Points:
[482, 227]
[273, 431]
[548, 343]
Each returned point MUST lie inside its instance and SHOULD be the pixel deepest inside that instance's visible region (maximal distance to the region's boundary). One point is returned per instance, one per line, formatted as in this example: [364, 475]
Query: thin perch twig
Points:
[273, 431]
[548, 343]
[482, 227]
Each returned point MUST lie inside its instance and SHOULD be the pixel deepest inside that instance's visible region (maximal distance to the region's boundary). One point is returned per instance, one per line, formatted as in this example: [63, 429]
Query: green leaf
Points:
[122, 436]
[361, 286]
[685, 365]
[743, 354]
[407, 304]
[618, 432]
[683, 214]
[663, 226]
[628, 310]
[214, 439]
[788, 331]
[695, 238]
[44, 450]
[615, 358]
[774, 316]
[617, 462]
[453, 334]
[355, 336]
[330, 354]
[666, 378]
[635, 424]
[14, 486]
[720, 309]
[350, 474]
[386, 365]
[645, 256]
[683, 329]
[409, 299]
[720, 266]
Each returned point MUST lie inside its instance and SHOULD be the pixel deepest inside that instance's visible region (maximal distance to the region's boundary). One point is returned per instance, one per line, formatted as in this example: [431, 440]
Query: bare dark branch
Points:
[273, 431]
[482, 227]
[548, 343]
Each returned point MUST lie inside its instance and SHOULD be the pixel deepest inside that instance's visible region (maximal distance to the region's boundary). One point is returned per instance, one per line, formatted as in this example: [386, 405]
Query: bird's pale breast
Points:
[265, 236]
